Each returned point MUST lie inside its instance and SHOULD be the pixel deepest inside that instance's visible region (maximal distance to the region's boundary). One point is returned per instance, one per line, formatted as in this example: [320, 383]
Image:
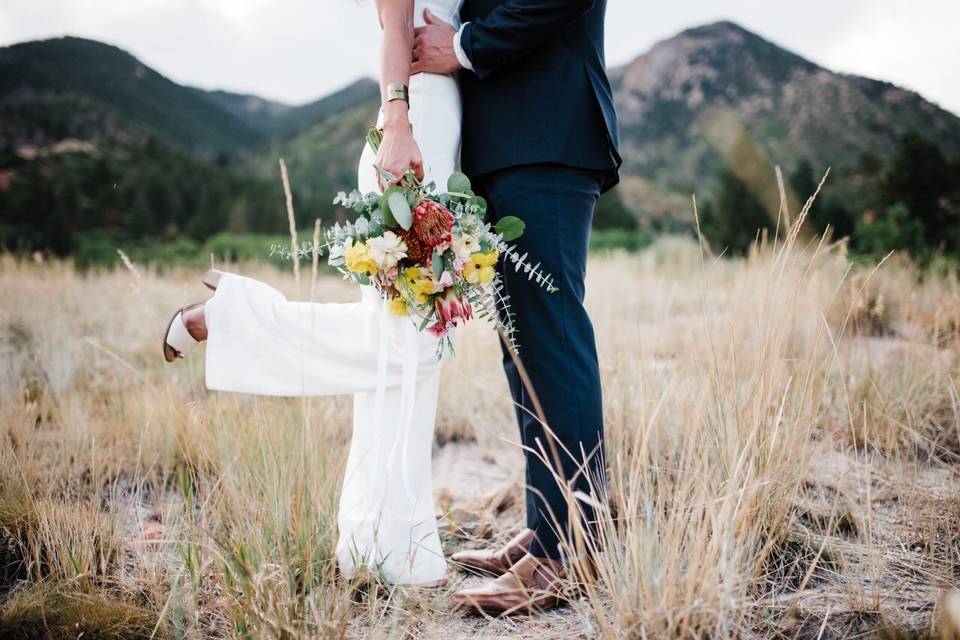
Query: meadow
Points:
[783, 447]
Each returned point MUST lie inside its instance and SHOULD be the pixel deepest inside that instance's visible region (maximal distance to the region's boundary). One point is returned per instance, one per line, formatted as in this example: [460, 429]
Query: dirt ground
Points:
[865, 564]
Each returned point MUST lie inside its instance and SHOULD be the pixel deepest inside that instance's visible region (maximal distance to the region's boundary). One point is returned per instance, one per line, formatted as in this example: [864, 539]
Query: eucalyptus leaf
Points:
[480, 203]
[397, 202]
[385, 176]
[510, 227]
[458, 183]
[388, 218]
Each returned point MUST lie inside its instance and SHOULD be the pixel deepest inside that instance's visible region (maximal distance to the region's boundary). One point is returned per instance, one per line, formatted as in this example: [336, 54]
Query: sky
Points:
[298, 50]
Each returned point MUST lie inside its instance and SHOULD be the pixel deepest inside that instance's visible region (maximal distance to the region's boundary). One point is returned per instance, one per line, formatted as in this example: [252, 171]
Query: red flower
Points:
[418, 251]
[432, 223]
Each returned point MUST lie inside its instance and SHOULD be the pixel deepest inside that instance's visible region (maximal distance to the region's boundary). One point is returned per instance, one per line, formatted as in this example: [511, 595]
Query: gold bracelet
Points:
[397, 91]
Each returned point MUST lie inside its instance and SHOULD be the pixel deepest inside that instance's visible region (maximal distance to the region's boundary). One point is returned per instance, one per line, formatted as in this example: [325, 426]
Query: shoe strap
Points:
[179, 338]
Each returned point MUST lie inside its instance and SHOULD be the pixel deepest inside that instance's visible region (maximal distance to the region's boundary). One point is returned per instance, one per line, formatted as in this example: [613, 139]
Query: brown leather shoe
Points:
[494, 563]
[532, 584]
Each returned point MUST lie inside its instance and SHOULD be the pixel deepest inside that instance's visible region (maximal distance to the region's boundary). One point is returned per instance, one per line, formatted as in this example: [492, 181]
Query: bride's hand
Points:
[398, 152]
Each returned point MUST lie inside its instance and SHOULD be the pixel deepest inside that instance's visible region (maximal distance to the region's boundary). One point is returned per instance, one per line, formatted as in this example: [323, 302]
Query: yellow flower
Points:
[420, 282]
[479, 269]
[357, 259]
[397, 306]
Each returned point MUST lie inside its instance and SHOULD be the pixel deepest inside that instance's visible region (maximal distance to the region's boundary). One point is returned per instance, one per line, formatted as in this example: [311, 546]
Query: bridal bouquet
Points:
[432, 255]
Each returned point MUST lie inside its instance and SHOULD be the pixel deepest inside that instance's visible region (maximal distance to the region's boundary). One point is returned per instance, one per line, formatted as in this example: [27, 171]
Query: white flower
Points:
[387, 250]
[465, 245]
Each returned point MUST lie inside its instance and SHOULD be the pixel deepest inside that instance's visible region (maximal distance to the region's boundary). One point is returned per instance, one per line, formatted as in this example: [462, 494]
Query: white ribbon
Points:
[408, 394]
[381, 387]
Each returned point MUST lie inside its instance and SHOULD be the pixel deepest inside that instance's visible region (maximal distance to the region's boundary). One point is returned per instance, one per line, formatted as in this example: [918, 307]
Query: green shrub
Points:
[612, 239]
[893, 229]
[95, 248]
[612, 213]
[243, 247]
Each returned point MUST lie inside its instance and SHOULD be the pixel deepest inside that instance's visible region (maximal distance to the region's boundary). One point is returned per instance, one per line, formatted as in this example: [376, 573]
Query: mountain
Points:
[276, 120]
[363, 91]
[719, 95]
[77, 88]
[69, 87]
[714, 97]
[257, 112]
[91, 139]
[322, 160]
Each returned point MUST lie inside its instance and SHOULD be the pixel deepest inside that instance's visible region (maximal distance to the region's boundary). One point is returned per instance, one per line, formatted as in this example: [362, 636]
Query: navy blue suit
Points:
[540, 141]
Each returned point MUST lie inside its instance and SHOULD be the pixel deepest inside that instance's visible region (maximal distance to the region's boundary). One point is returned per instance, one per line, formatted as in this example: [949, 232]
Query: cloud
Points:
[236, 11]
[913, 48]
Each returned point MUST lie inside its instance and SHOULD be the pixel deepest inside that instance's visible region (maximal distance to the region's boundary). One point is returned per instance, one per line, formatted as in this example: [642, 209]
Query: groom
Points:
[540, 141]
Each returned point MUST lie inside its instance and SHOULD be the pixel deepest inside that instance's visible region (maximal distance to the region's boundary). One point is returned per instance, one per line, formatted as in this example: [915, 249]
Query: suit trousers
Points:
[557, 348]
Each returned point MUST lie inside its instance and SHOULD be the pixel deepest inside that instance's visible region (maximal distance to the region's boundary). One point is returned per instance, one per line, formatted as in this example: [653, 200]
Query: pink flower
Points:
[390, 275]
[437, 330]
[452, 309]
[446, 280]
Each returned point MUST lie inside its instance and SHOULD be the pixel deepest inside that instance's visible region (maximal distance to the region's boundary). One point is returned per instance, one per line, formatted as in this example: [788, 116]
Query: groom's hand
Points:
[433, 47]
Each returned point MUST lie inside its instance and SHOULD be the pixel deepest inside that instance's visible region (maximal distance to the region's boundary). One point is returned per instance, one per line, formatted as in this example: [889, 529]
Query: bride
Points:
[259, 342]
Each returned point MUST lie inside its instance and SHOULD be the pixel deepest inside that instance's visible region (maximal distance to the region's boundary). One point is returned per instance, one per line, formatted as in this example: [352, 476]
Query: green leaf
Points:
[510, 227]
[426, 320]
[437, 265]
[388, 219]
[480, 203]
[397, 201]
[458, 183]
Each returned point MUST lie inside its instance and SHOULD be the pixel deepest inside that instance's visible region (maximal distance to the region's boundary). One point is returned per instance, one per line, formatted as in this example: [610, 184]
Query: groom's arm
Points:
[507, 34]
[515, 29]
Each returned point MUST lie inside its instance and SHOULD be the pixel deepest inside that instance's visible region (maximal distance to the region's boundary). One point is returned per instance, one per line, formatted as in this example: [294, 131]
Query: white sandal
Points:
[177, 341]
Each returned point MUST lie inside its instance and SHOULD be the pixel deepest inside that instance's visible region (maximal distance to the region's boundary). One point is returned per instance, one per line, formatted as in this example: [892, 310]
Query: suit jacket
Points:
[539, 91]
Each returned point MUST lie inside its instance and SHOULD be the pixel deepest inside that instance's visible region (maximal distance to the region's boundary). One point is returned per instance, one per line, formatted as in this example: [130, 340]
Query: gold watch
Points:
[397, 91]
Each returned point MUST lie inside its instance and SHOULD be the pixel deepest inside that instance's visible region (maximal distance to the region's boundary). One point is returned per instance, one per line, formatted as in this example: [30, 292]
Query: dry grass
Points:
[782, 444]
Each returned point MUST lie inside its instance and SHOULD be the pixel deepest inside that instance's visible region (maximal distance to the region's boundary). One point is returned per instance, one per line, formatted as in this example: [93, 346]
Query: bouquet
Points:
[431, 255]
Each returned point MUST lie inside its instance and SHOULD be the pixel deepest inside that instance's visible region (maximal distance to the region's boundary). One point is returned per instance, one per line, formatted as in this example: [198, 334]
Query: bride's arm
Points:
[398, 150]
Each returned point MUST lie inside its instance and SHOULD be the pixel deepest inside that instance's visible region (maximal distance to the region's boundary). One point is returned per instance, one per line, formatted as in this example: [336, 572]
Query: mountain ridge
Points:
[713, 98]
[278, 120]
[71, 87]
[681, 98]
[76, 87]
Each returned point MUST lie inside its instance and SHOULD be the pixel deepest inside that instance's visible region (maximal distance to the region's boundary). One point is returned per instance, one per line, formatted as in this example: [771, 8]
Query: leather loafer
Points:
[532, 584]
[495, 562]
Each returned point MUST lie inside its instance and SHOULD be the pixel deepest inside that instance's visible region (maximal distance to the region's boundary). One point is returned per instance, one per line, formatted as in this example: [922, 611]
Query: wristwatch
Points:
[397, 91]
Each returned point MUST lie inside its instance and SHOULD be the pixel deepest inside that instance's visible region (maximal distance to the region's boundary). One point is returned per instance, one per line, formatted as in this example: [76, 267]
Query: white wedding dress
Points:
[261, 343]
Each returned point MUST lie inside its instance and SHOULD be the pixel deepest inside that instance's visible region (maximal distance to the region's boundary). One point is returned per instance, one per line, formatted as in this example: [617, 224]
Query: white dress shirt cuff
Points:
[458, 49]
